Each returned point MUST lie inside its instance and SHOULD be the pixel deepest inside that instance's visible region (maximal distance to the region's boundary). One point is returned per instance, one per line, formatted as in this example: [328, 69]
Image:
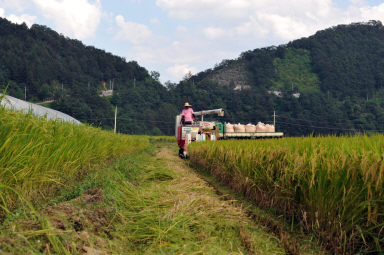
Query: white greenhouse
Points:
[21, 105]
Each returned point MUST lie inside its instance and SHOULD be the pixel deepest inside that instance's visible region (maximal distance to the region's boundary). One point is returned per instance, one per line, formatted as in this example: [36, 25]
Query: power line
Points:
[153, 121]
[342, 122]
[278, 123]
[327, 122]
[331, 128]
[346, 121]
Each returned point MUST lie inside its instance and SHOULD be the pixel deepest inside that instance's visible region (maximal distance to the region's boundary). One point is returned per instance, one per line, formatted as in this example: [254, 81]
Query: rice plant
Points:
[332, 186]
[37, 156]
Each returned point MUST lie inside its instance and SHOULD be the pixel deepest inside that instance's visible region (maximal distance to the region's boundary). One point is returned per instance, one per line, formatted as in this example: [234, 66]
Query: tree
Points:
[187, 76]
[155, 75]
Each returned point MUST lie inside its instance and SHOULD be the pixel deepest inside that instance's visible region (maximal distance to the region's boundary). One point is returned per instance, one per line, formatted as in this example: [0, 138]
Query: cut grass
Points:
[143, 204]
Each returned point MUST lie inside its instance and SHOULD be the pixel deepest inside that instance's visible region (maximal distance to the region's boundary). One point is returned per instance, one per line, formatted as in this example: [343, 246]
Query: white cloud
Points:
[173, 57]
[77, 18]
[163, 51]
[373, 13]
[130, 31]
[18, 5]
[177, 72]
[19, 19]
[280, 20]
[24, 18]
[186, 9]
[154, 21]
[208, 31]
[182, 29]
[239, 25]
[213, 32]
[358, 2]
[285, 27]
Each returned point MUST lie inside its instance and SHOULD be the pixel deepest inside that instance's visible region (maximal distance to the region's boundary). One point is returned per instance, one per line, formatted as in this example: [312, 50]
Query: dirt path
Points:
[188, 188]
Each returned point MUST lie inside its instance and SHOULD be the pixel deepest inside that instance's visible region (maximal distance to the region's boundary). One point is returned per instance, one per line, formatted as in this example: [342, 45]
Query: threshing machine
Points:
[212, 131]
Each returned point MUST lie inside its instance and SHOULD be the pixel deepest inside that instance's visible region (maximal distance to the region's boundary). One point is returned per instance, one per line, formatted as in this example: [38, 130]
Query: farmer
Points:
[187, 114]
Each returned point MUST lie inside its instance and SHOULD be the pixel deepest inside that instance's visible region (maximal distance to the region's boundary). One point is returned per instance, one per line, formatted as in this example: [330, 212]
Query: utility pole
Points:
[25, 93]
[114, 129]
[274, 118]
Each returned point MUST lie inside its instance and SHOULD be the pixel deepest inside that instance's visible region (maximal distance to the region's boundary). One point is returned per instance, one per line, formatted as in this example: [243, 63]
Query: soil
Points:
[85, 222]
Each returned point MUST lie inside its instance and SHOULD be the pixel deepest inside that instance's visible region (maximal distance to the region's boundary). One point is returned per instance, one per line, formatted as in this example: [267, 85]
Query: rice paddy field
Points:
[76, 189]
[37, 157]
[332, 187]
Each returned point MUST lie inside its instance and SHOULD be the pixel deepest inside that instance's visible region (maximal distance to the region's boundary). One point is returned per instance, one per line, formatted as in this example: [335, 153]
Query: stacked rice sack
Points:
[239, 128]
[249, 128]
[261, 127]
[229, 128]
[270, 128]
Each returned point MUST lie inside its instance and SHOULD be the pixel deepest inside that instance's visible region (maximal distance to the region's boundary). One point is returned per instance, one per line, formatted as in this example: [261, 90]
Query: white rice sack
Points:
[239, 128]
[260, 127]
[270, 128]
[229, 128]
[250, 128]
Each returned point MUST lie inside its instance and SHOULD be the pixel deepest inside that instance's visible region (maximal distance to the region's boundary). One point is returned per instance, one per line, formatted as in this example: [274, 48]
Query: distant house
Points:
[296, 95]
[242, 87]
[280, 93]
[106, 93]
[276, 93]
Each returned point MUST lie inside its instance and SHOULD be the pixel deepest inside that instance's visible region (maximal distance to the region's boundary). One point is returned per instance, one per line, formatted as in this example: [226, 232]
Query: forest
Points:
[329, 83]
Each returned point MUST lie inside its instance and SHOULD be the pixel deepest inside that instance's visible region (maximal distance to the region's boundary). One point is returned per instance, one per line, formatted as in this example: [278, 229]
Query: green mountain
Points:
[331, 82]
[49, 65]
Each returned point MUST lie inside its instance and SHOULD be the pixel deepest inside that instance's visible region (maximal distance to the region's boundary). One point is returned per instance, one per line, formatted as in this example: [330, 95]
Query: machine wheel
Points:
[181, 153]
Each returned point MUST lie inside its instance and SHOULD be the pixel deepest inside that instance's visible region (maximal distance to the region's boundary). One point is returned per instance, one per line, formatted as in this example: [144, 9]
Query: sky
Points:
[174, 37]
